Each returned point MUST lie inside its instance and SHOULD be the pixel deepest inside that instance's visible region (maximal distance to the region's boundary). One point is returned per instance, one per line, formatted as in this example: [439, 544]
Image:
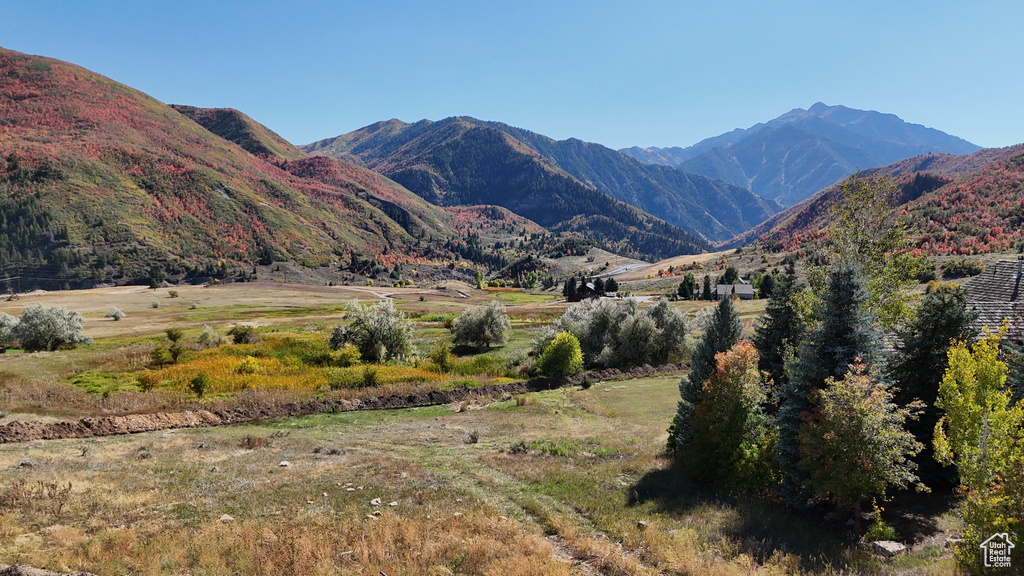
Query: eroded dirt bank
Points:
[19, 431]
[19, 570]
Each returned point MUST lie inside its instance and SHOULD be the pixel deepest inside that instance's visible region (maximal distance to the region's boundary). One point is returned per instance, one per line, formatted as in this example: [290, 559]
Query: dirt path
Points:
[25, 431]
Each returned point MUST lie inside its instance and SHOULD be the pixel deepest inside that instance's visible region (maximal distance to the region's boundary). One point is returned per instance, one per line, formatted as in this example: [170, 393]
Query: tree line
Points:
[847, 391]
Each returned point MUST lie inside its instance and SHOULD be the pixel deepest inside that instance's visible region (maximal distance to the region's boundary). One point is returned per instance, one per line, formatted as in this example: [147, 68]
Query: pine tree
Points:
[706, 293]
[569, 289]
[687, 287]
[721, 333]
[781, 328]
[921, 356]
[845, 336]
[1013, 355]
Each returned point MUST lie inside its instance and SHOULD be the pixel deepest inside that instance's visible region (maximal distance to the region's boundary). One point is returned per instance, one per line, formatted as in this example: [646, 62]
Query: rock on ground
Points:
[887, 548]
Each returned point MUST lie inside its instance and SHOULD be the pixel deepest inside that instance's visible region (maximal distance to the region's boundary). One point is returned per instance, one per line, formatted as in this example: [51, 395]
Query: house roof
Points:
[1001, 282]
[997, 294]
[739, 289]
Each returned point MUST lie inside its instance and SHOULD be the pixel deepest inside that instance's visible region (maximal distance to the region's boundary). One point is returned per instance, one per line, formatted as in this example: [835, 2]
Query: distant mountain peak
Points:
[802, 151]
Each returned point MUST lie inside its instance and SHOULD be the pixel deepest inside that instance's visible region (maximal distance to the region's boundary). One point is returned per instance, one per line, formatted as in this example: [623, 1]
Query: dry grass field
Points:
[570, 481]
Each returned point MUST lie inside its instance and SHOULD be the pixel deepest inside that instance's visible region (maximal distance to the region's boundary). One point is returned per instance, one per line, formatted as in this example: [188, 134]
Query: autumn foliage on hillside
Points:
[99, 181]
[958, 209]
[981, 213]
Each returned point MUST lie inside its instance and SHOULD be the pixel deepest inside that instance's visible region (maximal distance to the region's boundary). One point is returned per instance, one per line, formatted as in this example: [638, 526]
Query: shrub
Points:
[209, 337]
[243, 334]
[115, 313]
[147, 380]
[562, 357]
[253, 443]
[880, 529]
[619, 333]
[370, 379]
[379, 332]
[960, 268]
[155, 304]
[248, 365]
[172, 293]
[482, 326]
[8, 328]
[199, 384]
[174, 334]
[50, 328]
[347, 355]
[160, 356]
[442, 357]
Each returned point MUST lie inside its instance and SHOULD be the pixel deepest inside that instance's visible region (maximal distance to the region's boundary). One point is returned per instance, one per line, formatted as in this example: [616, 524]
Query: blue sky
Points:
[647, 73]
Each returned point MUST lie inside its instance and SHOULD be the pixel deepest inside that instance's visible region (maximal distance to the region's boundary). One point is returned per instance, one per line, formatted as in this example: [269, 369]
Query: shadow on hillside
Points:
[820, 536]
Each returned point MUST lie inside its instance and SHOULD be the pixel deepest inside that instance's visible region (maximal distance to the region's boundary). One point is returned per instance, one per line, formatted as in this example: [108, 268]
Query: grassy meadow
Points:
[569, 481]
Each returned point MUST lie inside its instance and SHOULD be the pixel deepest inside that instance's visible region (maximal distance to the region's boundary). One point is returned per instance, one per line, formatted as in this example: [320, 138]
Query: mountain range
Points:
[803, 151]
[102, 183]
[467, 161]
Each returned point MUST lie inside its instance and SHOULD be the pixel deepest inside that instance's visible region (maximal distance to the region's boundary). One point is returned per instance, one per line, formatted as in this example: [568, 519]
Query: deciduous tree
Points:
[562, 357]
[721, 333]
[49, 328]
[732, 437]
[482, 326]
[379, 331]
[854, 445]
[983, 435]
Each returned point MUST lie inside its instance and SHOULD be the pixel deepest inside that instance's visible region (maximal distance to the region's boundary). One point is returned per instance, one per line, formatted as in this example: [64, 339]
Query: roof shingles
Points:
[997, 294]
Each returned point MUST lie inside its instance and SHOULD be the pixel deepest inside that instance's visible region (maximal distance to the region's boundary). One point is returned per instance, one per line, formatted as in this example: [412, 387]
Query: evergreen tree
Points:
[845, 336]
[599, 286]
[721, 333]
[706, 293]
[1013, 355]
[781, 328]
[569, 289]
[687, 287]
[611, 285]
[731, 276]
[766, 286]
[921, 358]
